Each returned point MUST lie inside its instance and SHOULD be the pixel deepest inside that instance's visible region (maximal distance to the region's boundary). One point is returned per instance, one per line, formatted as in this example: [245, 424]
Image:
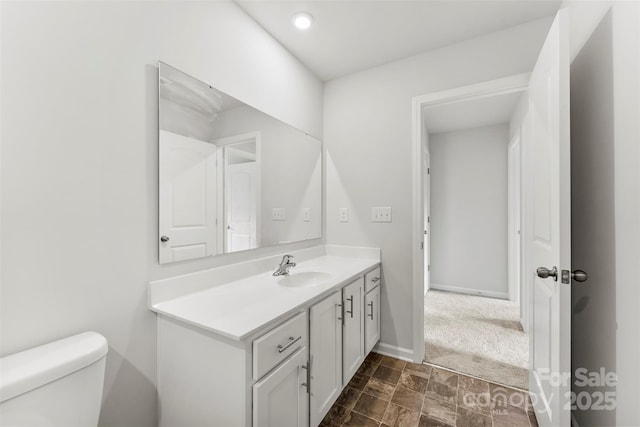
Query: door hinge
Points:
[428, 220]
[421, 245]
[428, 171]
[428, 267]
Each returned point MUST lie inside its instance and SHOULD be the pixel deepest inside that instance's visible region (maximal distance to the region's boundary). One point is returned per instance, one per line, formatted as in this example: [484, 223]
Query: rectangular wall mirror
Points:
[231, 178]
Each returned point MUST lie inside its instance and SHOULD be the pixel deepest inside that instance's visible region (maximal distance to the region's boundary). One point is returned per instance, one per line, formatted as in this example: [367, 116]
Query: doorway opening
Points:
[470, 158]
[239, 183]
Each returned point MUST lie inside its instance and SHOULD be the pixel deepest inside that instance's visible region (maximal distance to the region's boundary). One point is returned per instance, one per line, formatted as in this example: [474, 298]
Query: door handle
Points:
[577, 275]
[164, 239]
[371, 307]
[543, 273]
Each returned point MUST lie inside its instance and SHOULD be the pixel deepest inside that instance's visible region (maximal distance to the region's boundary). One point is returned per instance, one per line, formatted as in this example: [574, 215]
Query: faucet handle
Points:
[286, 259]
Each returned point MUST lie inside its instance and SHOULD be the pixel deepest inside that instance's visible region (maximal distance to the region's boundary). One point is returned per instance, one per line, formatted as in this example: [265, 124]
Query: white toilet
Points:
[57, 384]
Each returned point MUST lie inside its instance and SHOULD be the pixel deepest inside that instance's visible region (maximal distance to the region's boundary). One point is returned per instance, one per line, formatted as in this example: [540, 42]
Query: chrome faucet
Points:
[285, 265]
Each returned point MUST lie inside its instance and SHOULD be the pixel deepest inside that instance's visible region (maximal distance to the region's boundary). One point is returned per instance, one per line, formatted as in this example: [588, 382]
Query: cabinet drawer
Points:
[372, 279]
[279, 343]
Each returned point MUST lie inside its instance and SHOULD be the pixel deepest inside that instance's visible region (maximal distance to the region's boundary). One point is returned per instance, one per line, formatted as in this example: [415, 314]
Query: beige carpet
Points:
[477, 336]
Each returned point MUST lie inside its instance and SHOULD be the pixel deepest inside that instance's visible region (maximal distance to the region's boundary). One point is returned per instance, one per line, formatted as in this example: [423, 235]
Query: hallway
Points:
[478, 336]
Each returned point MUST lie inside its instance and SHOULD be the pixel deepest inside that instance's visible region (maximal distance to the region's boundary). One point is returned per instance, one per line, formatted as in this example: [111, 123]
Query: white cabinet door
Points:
[325, 336]
[281, 399]
[371, 319]
[353, 331]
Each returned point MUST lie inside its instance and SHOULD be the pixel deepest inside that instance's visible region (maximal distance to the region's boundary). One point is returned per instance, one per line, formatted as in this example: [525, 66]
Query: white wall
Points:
[593, 214]
[605, 155]
[79, 165]
[368, 149]
[469, 211]
[626, 87]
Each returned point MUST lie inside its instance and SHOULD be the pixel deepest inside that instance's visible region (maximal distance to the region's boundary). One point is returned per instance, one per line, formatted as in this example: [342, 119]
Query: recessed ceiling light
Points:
[302, 20]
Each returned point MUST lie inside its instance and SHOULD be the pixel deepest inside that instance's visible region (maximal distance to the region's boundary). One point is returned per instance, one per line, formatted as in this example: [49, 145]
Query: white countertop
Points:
[241, 307]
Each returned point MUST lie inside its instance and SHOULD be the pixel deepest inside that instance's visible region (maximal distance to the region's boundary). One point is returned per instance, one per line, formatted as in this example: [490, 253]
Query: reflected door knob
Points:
[164, 239]
[544, 272]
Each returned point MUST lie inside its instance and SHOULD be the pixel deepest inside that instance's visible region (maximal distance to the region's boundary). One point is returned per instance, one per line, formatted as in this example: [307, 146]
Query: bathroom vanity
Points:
[240, 347]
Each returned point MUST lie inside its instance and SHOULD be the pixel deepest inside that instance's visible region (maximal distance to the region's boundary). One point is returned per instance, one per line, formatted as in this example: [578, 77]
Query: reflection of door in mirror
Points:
[241, 190]
[187, 197]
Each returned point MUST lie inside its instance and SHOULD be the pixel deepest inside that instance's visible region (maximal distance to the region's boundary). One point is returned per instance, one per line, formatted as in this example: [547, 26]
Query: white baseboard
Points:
[469, 291]
[394, 351]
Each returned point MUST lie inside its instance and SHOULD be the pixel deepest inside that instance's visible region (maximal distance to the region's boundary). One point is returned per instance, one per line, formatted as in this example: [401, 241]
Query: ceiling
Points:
[352, 35]
[469, 114]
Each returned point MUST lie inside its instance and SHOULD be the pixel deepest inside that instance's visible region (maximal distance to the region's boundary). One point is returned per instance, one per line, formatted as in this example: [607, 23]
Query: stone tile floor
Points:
[388, 392]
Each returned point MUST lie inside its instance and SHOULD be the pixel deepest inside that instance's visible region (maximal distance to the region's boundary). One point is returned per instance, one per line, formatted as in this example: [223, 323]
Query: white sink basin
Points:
[303, 279]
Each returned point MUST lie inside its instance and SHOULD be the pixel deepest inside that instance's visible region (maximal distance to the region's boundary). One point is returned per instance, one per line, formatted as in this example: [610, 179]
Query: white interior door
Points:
[426, 188]
[187, 198]
[241, 202]
[549, 222]
[514, 220]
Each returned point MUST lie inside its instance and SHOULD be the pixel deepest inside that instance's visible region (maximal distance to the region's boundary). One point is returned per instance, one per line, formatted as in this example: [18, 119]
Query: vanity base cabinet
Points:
[371, 319]
[353, 330]
[202, 379]
[280, 399]
[325, 337]
[285, 374]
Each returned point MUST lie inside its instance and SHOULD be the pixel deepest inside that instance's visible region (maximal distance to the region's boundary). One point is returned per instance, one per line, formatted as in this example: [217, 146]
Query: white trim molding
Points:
[469, 291]
[395, 351]
[516, 83]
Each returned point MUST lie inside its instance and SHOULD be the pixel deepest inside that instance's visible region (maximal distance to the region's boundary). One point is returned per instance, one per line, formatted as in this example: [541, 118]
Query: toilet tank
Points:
[56, 384]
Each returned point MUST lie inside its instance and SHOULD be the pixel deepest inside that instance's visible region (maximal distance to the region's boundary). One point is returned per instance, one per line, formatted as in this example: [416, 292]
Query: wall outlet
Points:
[278, 214]
[381, 214]
[306, 214]
[344, 215]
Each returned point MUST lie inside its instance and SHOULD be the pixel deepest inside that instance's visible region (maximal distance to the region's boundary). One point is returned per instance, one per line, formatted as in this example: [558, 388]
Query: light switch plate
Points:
[306, 214]
[381, 214]
[344, 215]
[278, 214]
